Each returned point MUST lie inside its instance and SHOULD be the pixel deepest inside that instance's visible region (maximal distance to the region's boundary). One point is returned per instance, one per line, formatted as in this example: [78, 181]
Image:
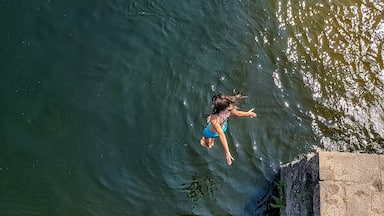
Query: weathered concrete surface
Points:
[334, 183]
[359, 178]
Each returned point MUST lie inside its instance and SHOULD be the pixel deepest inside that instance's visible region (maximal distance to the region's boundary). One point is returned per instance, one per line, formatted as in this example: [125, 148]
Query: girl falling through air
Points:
[222, 107]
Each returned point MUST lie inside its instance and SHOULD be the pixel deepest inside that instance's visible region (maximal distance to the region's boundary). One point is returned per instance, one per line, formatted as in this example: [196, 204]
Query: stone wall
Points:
[334, 183]
[301, 182]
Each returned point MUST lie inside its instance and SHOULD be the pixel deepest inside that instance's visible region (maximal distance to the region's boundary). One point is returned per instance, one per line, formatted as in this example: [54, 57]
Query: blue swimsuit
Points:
[210, 134]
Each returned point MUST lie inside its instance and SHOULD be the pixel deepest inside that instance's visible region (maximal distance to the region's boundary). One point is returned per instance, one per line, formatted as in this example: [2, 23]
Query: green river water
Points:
[102, 103]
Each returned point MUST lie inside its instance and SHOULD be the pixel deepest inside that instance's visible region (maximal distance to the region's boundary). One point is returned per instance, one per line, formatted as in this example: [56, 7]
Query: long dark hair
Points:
[221, 102]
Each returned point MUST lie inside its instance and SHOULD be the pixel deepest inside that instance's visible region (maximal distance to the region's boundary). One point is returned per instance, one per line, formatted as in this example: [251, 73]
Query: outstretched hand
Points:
[251, 113]
[229, 158]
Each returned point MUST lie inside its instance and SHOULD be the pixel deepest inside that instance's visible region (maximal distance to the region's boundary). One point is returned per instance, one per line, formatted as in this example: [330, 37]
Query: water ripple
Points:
[337, 48]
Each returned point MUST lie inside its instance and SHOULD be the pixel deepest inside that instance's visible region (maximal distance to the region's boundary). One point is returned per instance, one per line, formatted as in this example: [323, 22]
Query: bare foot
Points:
[204, 143]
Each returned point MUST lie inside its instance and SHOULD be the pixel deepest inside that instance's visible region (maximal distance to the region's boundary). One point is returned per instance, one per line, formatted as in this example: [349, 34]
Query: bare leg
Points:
[210, 143]
[203, 142]
[207, 142]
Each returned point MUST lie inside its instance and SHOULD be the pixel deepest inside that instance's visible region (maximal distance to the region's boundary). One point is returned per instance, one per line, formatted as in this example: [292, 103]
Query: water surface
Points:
[102, 103]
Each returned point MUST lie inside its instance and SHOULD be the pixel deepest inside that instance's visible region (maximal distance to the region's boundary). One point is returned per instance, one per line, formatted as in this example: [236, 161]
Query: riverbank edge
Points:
[330, 183]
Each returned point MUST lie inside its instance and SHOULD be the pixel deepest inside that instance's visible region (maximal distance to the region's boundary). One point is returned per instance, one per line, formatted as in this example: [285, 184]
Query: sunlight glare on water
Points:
[103, 103]
[337, 47]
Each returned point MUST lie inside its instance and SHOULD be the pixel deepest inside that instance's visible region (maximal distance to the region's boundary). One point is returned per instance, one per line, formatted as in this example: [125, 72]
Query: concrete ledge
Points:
[349, 167]
[334, 183]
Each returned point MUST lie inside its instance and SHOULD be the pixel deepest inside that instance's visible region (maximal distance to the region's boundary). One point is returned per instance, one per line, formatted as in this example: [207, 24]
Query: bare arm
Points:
[223, 140]
[238, 113]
